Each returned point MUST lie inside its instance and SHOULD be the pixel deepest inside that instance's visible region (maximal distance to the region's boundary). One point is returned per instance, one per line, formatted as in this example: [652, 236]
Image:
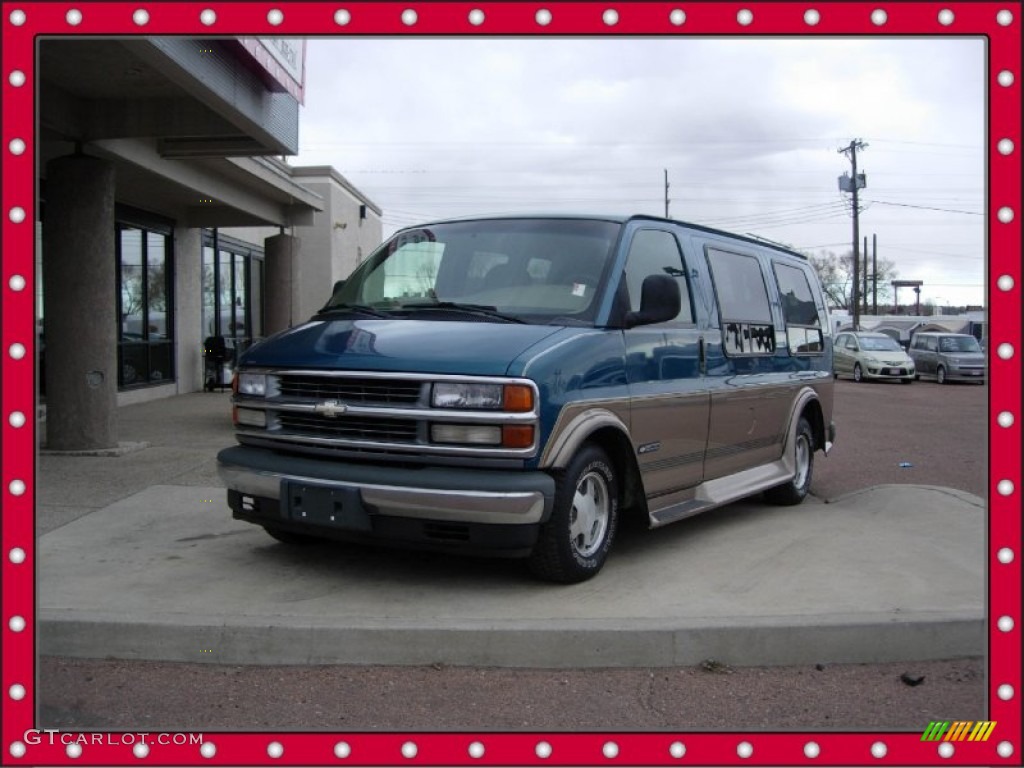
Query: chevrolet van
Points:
[515, 385]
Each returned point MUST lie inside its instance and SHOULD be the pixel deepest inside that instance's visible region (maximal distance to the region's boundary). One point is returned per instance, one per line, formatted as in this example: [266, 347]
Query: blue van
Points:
[513, 385]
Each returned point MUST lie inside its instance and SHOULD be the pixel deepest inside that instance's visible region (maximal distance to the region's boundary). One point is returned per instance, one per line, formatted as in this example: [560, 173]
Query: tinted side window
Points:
[931, 343]
[803, 325]
[743, 303]
[654, 252]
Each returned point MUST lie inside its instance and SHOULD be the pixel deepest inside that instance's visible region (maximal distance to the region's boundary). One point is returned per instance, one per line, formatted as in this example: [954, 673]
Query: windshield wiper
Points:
[481, 310]
[361, 309]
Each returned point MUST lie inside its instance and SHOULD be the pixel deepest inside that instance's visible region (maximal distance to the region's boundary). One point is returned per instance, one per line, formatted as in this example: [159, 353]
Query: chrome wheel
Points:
[591, 510]
[803, 460]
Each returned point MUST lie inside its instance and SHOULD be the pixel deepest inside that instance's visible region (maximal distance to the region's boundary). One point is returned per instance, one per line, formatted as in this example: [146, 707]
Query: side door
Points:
[669, 401]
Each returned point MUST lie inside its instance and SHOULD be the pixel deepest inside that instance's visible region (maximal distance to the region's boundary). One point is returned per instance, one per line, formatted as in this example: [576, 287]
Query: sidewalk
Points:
[139, 558]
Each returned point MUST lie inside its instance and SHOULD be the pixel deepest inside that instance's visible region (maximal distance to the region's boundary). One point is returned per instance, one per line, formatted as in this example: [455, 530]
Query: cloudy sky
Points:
[748, 130]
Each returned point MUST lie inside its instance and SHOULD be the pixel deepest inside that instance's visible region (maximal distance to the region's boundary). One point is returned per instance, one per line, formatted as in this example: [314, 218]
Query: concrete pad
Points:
[887, 574]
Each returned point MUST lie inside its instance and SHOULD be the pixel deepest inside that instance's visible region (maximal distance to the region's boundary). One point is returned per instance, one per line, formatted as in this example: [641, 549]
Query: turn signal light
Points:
[517, 436]
[518, 398]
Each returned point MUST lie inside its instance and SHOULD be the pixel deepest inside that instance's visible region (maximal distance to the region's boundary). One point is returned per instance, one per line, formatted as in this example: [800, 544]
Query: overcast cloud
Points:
[747, 129]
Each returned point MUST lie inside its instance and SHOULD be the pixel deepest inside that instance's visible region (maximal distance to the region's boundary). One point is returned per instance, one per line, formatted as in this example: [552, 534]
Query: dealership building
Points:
[167, 216]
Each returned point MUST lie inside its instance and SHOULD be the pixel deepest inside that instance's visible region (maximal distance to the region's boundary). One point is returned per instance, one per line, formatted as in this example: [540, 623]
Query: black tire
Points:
[858, 374]
[795, 490]
[940, 375]
[290, 537]
[573, 544]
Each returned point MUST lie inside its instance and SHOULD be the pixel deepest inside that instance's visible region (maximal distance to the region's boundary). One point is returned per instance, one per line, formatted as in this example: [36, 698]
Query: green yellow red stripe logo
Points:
[958, 730]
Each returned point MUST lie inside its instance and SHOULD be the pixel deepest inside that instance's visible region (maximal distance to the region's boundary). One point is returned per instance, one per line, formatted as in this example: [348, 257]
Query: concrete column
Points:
[79, 304]
[281, 280]
[188, 310]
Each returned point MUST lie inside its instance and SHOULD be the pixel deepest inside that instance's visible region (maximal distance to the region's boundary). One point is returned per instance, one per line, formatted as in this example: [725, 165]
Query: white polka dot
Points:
[811, 749]
[1005, 692]
[946, 17]
[1005, 351]
[745, 749]
[16, 419]
[141, 750]
[17, 283]
[543, 17]
[409, 17]
[1004, 18]
[1005, 146]
[745, 16]
[1005, 555]
[17, 147]
[17, 487]
[208, 750]
[879, 750]
[74, 751]
[677, 750]
[610, 750]
[17, 749]
[1005, 749]
[16, 556]
[1005, 78]
[677, 18]
[610, 17]
[543, 750]
[16, 691]
[141, 17]
[476, 750]
[16, 78]
[811, 17]
[946, 749]
[409, 750]
[208, 17]
[342, 17]
[17, 351]
[17, 214]
[476, 17]
[342, 750]
[879, 17]
[17, 17]
[73, 17]
[1005, 283]
[275, 16]
[275, 749]
[1005, 624]
[1005, 214]
[1005, 487]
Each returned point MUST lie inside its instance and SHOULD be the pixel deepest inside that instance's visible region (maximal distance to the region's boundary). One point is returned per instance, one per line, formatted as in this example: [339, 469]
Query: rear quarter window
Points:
[803, 323]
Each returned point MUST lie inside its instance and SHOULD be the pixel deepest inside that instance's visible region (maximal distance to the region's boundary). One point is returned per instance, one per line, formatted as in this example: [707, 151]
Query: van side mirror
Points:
[660, 300]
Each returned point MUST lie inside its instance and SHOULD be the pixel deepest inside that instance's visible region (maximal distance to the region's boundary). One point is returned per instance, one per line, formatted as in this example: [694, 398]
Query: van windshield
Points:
[530, 270]
[959, 344]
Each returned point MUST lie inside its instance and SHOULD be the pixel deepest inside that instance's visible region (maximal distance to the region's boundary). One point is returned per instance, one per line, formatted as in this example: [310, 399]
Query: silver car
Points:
[865, 355]
[948, 357]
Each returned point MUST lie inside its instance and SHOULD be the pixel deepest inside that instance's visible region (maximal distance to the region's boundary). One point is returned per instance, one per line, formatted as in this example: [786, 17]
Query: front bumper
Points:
[465, 508]
[889, 372]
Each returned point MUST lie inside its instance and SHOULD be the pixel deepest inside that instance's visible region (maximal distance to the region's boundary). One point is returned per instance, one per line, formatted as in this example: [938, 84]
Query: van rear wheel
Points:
[574, 543]
[795, 490]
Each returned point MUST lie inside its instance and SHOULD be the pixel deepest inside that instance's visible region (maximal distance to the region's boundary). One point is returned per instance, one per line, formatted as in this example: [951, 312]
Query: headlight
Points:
[254, 384]
[509, 397]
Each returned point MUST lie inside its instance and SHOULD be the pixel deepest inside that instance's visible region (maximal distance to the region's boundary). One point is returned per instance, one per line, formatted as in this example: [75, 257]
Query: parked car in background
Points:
[866, 355]
[948, 357]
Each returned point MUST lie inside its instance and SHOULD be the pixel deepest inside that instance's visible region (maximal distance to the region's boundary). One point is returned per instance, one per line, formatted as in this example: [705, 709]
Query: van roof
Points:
[621, 219]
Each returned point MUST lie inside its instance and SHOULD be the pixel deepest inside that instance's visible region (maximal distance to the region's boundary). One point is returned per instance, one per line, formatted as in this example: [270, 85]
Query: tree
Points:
[836, 274]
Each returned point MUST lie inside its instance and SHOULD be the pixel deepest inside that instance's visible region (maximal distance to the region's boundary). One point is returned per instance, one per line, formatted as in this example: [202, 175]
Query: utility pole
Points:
[666, 193]
[855, 183]
[874, 273]
[864, 281]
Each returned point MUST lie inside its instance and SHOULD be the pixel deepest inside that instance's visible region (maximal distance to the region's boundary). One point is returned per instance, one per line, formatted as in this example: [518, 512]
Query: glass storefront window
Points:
[146, 331]
[232, 290]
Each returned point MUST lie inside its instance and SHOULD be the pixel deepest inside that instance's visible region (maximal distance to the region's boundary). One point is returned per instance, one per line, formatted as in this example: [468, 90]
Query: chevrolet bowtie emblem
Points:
[330, 408]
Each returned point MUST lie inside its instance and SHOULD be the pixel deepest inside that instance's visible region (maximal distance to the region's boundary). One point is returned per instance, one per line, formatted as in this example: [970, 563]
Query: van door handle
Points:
[702, 360]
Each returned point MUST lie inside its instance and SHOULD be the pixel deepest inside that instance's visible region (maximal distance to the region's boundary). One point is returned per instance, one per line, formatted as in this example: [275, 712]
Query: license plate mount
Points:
[340, 508]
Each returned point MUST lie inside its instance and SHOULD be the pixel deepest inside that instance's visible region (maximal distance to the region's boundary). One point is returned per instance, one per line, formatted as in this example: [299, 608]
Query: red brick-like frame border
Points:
[999, 23]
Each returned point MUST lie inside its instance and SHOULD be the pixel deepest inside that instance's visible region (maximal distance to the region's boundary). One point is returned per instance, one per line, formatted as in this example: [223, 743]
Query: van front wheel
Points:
[574, 543]
[794, 491]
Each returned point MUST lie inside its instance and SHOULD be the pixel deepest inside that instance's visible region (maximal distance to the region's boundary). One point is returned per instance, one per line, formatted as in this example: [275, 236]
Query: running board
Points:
[724, 490]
